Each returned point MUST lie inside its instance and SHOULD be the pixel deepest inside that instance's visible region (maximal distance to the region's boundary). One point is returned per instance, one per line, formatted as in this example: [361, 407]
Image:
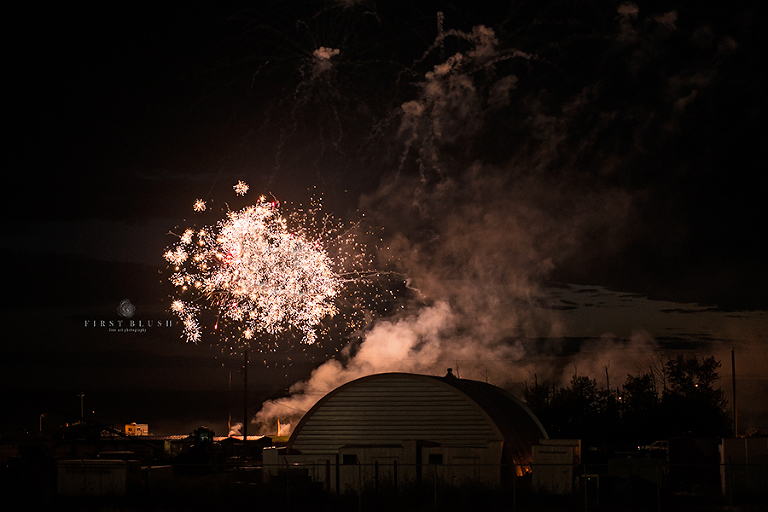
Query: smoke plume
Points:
[499, 183]
[475, 242]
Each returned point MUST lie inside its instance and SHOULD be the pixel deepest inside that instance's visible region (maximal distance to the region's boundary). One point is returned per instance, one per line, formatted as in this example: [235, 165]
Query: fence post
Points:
[658, 486]
[394, 470]
[359, 486]
[435, 475]
[514, 486]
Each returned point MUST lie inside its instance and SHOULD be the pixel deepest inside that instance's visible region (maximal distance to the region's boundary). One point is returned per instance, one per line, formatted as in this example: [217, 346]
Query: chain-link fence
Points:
[619, 484]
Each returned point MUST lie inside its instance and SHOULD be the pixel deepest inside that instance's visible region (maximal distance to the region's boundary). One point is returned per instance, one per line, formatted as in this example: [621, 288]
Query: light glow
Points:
[241, 188]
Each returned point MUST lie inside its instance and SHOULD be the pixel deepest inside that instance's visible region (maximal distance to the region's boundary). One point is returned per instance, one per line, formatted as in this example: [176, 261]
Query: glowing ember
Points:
[255, 272]
[199, 205]
[324, 53]
[241, 188]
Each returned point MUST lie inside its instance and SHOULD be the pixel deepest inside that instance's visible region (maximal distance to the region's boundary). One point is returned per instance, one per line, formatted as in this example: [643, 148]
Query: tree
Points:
[580, 410]
[690, 403]
[636, 413]
[641, 409]
[579, 403]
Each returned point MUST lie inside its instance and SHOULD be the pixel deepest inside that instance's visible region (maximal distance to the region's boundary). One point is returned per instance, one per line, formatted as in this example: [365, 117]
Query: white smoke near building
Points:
[474, 243]
[501, 177]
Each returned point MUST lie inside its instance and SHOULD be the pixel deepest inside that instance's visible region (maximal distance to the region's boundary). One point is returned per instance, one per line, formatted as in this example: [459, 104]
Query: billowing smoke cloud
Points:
[474, 243]
[496, 188]
[609, 360]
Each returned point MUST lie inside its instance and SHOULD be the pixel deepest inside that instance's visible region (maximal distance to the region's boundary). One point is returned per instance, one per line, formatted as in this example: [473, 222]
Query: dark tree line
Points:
[675, 399]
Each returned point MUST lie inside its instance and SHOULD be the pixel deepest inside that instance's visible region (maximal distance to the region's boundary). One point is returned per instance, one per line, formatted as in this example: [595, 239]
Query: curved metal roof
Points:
[391, 408]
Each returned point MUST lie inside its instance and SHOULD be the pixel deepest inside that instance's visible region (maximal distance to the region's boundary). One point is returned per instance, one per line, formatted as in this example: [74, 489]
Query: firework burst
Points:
[241, 188]
[254, 272]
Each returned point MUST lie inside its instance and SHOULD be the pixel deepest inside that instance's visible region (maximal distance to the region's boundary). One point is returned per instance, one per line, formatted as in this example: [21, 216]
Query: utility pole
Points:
[733, 377]
[245, 398]
[229, 404]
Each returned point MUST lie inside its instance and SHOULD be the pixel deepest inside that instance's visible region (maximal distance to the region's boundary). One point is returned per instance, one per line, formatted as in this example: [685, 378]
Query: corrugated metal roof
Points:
[390, 408]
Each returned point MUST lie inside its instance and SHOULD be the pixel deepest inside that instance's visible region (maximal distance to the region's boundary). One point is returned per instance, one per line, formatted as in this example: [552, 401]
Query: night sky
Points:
[557, 186]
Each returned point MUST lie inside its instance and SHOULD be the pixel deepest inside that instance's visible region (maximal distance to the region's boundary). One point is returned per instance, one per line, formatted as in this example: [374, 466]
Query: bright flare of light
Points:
[241, 188]
[255, 272]
[199, 206]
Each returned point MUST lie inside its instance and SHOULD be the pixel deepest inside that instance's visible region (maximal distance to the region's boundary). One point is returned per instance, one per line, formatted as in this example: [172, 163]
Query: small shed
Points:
[554, 464]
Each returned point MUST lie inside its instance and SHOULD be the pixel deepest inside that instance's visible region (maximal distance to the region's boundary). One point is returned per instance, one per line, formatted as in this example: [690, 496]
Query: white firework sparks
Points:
[199, 205]
[255, 272]
[241, 188]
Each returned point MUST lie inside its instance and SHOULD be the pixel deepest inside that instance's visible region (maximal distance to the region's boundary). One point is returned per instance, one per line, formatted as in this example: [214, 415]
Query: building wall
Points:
[97, 477]
[354, 468]
[554, 462]
[458, 465]
[137, 429]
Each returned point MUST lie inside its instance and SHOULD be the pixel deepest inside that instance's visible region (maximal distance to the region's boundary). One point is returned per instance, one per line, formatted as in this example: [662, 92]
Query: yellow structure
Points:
[137, 429]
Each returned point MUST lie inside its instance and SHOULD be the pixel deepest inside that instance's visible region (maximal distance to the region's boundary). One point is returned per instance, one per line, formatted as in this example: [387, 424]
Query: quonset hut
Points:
[392, 428]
